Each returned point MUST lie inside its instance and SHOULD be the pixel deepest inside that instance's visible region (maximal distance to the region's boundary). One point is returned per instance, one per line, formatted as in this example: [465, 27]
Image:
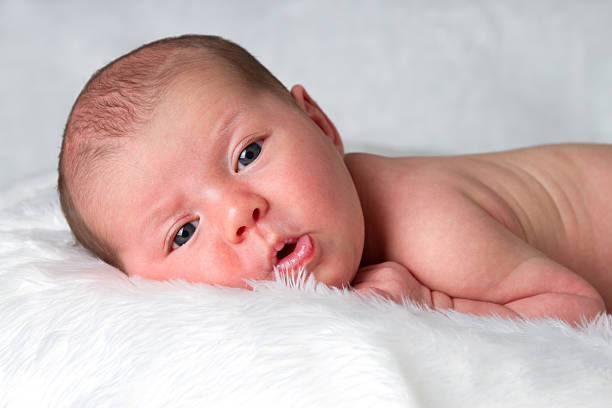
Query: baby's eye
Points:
[184, 234]
[248, 155]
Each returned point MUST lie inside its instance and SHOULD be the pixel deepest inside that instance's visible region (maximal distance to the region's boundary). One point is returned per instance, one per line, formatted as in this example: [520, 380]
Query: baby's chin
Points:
[334, 277]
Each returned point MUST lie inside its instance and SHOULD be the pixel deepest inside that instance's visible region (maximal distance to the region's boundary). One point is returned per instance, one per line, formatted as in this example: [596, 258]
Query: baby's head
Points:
[187, 159]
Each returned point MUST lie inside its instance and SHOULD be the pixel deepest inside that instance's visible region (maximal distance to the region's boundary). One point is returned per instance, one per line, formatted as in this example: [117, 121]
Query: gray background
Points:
[395, 76]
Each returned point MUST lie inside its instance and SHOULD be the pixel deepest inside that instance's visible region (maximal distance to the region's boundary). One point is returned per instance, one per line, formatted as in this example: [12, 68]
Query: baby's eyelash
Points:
[182, 235]
[249, 153]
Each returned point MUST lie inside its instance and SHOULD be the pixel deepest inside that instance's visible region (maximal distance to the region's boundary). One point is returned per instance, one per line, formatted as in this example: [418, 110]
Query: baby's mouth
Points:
[286, 250]
[294, 252]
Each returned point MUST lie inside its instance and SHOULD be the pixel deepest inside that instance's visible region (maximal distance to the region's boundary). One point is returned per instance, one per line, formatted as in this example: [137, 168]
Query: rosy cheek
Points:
[143, 267]
[169, 271]
[222, 266]
[175, 272]
[231, 265]
[177, 265]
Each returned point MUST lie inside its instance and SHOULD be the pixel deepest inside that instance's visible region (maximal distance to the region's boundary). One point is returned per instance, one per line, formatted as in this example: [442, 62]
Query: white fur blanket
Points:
[76, 333]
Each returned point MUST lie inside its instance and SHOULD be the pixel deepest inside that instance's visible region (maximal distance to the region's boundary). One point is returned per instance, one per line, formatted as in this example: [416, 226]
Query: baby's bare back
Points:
[561, 197]
[557, 199]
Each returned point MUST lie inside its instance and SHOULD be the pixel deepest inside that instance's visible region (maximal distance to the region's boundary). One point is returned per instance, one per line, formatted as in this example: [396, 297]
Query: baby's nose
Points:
[243, 213]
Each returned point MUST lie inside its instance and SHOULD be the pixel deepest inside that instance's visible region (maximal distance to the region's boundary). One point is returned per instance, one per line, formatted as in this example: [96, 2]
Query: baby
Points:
[186, 159]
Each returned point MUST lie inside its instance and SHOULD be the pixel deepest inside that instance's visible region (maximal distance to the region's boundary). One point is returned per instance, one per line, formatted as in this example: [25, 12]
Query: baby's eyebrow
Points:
[228, 124]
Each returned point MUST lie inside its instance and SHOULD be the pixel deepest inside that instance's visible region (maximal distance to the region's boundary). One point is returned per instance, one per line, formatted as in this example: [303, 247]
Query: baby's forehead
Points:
[201, 88]
[207, 77]
[209, 99]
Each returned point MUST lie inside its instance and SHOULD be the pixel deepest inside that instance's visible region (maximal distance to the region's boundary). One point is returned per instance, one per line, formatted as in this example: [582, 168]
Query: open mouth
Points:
[286, 250]
[295, 252]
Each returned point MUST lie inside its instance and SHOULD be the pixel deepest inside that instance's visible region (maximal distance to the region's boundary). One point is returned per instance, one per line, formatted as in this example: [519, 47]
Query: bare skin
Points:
[523, 233]
[226, 180]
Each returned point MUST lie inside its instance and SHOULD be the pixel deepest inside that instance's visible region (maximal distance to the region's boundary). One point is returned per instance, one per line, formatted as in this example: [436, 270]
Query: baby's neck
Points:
[371, 178]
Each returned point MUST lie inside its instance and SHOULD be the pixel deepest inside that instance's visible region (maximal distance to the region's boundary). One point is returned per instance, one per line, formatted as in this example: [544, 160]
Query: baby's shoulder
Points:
[549, 196]
[516, 179]
[391, 171]
[401, 186]
[430, 191]
[406, 178]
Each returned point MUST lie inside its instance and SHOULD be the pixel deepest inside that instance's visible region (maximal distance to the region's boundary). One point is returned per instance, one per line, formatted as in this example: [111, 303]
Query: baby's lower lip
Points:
[303, 251]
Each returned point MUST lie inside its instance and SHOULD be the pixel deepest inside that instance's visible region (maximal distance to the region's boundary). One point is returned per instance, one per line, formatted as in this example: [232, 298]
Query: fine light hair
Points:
[119, 99]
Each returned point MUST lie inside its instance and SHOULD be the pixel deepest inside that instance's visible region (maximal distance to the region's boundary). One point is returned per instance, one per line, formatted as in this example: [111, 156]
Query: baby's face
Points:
[224, 184]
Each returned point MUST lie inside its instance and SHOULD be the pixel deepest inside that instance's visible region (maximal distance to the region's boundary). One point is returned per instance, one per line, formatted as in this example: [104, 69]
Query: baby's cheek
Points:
[226, 265]
[148, 269]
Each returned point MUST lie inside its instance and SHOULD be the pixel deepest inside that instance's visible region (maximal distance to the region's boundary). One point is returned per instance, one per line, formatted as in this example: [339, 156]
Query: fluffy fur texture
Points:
[75, 332]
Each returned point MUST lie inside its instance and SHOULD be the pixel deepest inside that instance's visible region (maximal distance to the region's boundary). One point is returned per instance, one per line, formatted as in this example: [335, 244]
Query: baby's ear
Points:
[308, 105]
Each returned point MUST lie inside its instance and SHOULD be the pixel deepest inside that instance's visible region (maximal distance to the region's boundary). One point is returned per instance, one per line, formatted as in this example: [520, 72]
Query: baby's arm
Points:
[394, 281]
[557, 292]
[465, 259]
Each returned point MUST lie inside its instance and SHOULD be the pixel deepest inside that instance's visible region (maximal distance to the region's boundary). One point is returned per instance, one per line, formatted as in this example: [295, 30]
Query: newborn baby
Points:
[186, 159]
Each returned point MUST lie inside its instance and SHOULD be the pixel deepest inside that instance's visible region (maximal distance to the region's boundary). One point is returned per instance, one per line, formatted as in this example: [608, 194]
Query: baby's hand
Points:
[393, 281]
